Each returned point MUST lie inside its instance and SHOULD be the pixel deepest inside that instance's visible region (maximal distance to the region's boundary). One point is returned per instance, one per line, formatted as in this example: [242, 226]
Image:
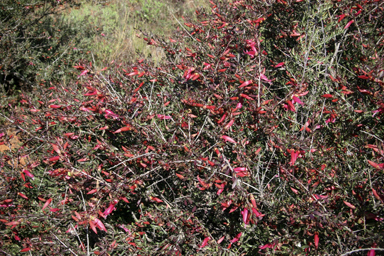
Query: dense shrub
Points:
[262, 134]
[35, 46]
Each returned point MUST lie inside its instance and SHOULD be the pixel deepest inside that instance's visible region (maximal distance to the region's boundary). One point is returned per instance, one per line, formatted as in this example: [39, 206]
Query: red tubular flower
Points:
[30, 175]
[110, 208]
[294, 155]
[205, 242]
[258, 214]
[229, 139]
[245, 216]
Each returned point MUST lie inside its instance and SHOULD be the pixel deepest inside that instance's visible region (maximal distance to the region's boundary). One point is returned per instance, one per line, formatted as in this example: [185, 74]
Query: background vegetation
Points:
[146, 128]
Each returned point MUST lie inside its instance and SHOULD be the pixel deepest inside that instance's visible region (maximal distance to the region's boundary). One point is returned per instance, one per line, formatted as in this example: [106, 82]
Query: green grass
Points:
[113, 29]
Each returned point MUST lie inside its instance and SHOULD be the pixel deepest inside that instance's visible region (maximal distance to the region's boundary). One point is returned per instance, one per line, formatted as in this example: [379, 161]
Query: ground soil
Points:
[14, 143]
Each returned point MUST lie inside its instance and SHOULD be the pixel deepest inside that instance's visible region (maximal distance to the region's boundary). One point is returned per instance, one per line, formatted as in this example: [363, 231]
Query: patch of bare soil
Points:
[13, 143]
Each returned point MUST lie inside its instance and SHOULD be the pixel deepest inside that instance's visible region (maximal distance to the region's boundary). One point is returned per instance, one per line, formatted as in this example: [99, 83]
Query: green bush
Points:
[261, 134]
[35, 47]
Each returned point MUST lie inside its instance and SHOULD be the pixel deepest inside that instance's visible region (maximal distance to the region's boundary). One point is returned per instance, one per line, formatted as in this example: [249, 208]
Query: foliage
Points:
[261, 134]
[35, 47]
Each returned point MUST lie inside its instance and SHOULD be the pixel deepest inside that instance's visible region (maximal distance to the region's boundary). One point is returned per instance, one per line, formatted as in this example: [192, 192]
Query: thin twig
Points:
[372, 135]
[64, 244]
[181, 25]
[361, 250]
[77, 234]
[85, 209]
[240, 181]
[130, 159]
[205, 120]
[148, 172]
[89, 176]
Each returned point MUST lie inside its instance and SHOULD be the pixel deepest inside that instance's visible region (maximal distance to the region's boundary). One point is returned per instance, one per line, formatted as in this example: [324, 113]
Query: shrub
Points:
[262, 134]
[35, 47]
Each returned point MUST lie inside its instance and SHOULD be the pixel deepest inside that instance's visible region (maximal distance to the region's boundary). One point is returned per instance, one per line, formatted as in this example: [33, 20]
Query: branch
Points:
[64, 244]
[361, 250]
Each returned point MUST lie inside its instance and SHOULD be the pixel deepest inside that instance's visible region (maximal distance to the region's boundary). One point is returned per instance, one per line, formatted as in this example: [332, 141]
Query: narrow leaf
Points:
[229, 139]
[229, 124]
[246, 83]
[279, 64]
[205, 242]
[374, 165]
[349, 24]
[26, 249]
[47, 203]
[349, 205]
[124, 129]
[316, 240]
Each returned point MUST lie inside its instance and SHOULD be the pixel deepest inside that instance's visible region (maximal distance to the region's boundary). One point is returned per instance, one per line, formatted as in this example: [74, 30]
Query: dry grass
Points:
[118, 23]
[14, 144]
